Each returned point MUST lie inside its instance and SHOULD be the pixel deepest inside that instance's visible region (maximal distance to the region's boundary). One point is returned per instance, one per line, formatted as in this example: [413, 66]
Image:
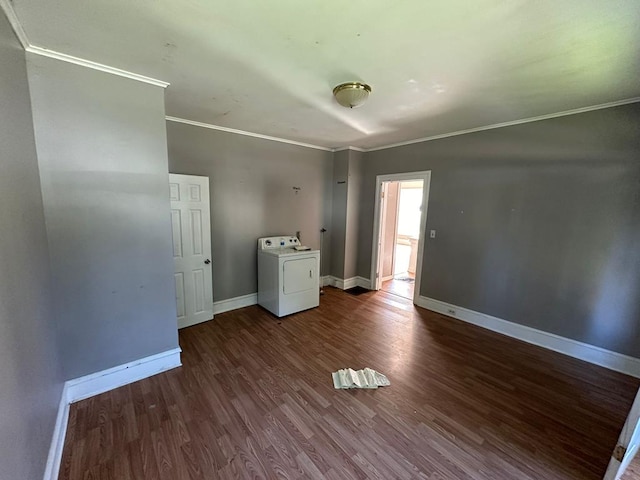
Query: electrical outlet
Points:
[451, 311]
[432, 234]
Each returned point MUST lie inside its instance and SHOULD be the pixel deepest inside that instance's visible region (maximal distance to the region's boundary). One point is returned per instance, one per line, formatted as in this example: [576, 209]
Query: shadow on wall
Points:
[616, 312]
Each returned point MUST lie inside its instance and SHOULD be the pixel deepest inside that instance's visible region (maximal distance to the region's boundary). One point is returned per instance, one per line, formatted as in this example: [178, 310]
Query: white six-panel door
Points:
[191, 229]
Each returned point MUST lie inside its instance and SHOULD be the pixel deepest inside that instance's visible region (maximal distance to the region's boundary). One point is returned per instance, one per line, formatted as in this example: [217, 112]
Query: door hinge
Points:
[619, 452]
[382, 194]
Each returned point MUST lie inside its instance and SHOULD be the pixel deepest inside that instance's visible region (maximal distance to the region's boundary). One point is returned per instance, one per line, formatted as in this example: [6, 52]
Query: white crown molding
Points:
[510, 123]
[355, 149]
[6, 6]
[245, 133]
[567, 346]
[94, 65]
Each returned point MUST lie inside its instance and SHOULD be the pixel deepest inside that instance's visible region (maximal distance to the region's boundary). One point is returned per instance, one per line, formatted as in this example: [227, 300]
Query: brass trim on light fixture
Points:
[353, 85]
[351, 94]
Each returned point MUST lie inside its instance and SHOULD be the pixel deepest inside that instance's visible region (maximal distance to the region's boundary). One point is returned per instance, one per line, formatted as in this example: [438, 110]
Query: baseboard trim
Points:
[335, 282]
[105, 380]
[573, 348]
[346, 284]
[235, 303]
[84, 387]
[54, 459]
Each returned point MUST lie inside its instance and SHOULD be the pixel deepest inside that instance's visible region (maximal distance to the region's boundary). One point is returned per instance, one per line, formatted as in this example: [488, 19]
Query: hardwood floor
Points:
[254, 399]
[633, 472]
[402, 288]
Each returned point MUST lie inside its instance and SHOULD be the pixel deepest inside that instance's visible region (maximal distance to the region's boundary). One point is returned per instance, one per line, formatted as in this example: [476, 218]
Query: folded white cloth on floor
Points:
[365, 378]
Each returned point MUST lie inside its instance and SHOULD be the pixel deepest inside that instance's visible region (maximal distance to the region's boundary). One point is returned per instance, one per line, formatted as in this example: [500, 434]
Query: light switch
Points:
[432, 234]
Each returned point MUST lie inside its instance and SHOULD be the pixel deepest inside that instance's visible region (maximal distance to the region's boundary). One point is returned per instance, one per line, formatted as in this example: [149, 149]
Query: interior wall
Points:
[338, 228]
[252, 184]
[353, 210]
[101, 143]
[346, 187]
[30, 375]
[538, 224]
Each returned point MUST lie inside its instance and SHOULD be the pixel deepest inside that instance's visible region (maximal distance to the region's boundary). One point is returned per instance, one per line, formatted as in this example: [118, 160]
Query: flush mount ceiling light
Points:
[352, 94]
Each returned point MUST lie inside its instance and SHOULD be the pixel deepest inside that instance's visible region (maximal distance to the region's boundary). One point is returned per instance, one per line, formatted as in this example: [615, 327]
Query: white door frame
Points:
[628, 443]
[425, 176]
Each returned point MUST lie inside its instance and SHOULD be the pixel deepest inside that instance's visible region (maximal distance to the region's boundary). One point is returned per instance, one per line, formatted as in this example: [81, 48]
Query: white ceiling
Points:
[435, 67]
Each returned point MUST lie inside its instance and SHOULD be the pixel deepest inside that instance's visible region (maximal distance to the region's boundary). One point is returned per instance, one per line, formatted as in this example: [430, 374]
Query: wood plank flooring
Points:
[402, 288]
[633, 472]
[254, 399]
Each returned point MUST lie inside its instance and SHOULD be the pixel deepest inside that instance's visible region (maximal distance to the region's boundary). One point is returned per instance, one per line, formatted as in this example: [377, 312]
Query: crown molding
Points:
[6, 6]
[355, 149]
[565, 113]
[94, 65]
[245, 133]
[510, 123]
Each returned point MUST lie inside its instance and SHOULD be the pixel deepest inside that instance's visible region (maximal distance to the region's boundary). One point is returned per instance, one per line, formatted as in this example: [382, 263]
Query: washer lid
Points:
[289, 252]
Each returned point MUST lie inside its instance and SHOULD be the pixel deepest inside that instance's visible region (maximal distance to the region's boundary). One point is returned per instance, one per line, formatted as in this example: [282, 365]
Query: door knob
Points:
[207, 261]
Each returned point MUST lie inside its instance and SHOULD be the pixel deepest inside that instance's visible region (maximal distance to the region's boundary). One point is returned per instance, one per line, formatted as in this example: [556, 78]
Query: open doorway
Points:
[400, 221]
[400, 236]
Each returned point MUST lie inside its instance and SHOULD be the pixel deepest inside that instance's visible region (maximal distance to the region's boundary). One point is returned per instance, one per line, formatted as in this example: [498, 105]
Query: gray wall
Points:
[353, 211]
[346, 186]
[338, 229]
[538, 224]
[252, 196]
[101, 145]
[30, 377]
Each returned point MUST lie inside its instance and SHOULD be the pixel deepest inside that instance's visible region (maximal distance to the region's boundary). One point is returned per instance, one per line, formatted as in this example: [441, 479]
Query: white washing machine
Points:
[288, 275]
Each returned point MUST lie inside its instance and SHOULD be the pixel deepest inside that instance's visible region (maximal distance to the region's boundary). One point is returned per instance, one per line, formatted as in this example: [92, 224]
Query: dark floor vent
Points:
[357, 291]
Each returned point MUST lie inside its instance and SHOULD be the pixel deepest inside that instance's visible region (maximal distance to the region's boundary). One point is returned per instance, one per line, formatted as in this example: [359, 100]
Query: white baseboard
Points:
[332, 281]
[252, 298]
[346, 284]
[234, 303]
[54, 458]
[84, 387]
[100, 382]
[583, 351]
